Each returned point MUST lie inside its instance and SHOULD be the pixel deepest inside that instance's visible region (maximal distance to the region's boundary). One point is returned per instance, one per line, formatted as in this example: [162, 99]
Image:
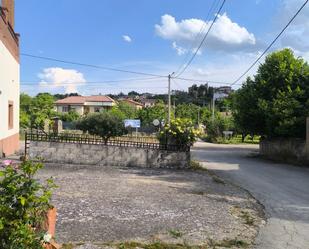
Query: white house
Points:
[84, 104]
[9, 80]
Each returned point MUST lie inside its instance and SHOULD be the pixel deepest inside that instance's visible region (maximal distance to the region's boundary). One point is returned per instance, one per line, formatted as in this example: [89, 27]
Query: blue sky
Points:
[153, 36]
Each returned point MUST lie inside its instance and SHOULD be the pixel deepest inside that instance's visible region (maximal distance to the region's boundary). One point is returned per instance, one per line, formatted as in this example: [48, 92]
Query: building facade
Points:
[84, 104]
[9, 80]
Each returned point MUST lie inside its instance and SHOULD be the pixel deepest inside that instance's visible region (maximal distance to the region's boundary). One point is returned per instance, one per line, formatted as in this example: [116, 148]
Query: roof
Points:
[148, 100]
[132, 102]
[82, 99]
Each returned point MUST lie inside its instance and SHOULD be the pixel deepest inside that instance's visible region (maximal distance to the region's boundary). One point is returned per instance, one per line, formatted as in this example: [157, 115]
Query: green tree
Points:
[147, 115]
[42, 108]
[104, 124]
[25, 110]
[128, 111]
[275, 103]
[188, 111]
[68, 116]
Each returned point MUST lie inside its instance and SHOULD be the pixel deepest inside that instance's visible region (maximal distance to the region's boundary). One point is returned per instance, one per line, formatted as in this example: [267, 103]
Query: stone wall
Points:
[102, 155]
[285, 150]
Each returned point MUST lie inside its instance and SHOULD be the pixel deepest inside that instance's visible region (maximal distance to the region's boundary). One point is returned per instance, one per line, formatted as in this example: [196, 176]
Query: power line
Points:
[93, 82]
[202, 42]
[90, 65]
[271, 44]
[197, 36]
[205, 81]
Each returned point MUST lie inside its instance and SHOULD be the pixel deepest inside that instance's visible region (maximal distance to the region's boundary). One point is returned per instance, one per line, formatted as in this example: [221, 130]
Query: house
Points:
[133, 103]
[84, 104]
[224, 89]
[9, 80]
[148, 102]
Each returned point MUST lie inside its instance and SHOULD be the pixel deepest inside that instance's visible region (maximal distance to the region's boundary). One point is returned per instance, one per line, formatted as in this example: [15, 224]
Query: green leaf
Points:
[22, 200]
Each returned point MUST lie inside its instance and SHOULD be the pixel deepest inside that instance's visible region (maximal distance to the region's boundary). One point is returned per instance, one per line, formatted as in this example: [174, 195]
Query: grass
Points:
[175, 234]
[238, 140]
[246, 216]
[156, 245]
[233, 140]
[67, 246]
[211, 244]
[229, 243]
[194, 165]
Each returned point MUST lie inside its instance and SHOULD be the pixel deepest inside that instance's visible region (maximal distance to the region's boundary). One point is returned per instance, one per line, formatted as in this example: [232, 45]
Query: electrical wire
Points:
[197, 36]
[202, 42]
[271, 44]
[89, 65]
[93, 82]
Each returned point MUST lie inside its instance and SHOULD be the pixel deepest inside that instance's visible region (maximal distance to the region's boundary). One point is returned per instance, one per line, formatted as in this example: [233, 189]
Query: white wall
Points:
[9, 87]
[79, 109]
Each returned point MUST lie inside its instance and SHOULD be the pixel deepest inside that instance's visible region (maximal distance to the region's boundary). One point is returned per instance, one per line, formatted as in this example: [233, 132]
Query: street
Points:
[282, 189]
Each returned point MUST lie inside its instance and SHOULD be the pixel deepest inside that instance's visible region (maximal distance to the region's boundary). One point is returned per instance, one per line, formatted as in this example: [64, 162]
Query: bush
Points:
[104, 124]
[24, 203]
[216, 127]
[180, 132]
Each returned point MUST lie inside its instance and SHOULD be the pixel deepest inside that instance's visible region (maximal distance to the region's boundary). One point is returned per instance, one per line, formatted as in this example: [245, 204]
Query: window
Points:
[97, 109]
[11, 113]
[65, 109]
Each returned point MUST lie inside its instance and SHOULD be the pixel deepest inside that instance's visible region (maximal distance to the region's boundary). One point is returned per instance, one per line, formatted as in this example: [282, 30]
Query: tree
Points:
[42, 108]
[25, 107]
[128, 111]
[188, 111]
[275, 103]
[147, 115]
[104, 124]
[68, 116]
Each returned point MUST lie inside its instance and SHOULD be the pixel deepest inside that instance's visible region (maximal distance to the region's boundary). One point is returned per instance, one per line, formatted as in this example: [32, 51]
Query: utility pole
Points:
[213, 107]
[169, 98]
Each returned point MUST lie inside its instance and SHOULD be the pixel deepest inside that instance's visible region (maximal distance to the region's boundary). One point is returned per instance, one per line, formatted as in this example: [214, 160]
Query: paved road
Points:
[282, 189]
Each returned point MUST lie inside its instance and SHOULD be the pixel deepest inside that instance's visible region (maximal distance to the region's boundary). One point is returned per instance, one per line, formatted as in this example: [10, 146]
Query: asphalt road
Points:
[282, 189]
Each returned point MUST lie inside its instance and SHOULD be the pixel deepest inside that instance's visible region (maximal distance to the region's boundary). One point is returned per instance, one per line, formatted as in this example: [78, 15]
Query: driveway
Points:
[282, 189]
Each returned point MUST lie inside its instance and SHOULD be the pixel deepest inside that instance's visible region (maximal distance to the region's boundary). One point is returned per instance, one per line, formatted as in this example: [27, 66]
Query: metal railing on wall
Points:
[85, 139]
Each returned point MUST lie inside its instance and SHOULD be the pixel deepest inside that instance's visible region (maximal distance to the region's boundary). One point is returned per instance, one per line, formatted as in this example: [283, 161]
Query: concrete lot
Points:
[129, 204]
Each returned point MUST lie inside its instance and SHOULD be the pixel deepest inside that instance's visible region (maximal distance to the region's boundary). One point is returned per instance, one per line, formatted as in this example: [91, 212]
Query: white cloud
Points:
[225, 34]
[56, 77]
[179, 50]
[127, 38]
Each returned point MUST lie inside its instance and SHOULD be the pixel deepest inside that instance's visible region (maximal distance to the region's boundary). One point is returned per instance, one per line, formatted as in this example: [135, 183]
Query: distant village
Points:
[200, 95]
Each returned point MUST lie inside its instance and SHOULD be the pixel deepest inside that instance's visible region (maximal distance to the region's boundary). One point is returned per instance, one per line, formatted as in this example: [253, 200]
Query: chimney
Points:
[8, 7]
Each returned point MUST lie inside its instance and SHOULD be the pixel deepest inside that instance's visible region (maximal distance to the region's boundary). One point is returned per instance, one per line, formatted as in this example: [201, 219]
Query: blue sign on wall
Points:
[134, 123]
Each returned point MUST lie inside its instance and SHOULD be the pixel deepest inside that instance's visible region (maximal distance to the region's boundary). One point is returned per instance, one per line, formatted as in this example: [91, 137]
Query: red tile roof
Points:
[83, 99]
[132, 102]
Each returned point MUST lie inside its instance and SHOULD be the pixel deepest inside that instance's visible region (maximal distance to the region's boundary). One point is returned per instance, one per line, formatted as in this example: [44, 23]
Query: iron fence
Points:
[85, 139]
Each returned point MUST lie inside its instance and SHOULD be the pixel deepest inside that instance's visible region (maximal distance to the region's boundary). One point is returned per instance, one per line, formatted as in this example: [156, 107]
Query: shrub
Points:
[179, 132]
[24, 202]
[104, 124]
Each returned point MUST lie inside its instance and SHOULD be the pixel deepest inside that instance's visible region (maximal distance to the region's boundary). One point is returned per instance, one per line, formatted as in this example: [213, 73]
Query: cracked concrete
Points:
[282, 189]
[137, 204]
